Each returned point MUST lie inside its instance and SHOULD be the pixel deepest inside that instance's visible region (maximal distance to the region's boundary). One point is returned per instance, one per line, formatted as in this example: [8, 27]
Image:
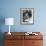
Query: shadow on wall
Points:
[1, 39]
[2, 21]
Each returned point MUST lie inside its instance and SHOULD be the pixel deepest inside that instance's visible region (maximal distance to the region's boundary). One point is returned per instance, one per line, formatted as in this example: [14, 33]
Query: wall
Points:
[11, 8]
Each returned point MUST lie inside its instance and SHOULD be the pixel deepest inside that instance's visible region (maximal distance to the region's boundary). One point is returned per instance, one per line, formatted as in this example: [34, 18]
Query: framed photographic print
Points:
[27, 15]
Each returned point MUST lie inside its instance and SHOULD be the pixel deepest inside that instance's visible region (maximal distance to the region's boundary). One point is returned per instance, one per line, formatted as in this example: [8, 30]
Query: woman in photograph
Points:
[27, 15]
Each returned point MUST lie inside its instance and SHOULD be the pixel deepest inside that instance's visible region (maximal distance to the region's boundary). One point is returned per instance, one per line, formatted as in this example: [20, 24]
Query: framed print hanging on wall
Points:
[27, 15]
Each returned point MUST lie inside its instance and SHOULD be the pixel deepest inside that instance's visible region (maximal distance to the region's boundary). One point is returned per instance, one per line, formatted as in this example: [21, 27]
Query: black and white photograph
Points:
[27, 15]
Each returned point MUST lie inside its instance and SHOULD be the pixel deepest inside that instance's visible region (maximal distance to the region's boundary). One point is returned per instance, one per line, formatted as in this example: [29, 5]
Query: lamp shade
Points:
[9, 21]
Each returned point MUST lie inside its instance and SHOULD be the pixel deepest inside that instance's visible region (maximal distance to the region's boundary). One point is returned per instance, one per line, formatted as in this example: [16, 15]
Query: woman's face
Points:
[26, 16]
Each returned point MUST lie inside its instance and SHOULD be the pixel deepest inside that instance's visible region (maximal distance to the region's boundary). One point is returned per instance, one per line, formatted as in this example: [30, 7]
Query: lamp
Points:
[9, 21]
